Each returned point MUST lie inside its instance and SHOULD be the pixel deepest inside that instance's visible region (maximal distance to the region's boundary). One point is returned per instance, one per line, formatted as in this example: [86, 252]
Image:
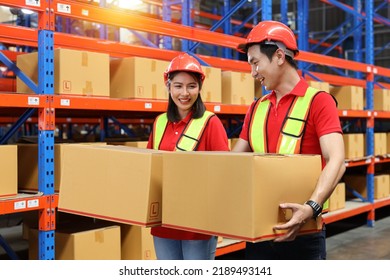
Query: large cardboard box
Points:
[137, 243]
[82, 243]
[138, 77]
[212, 86]
[236, 195]
[324, 86]
[75, 72]
[358, 183]
[337, 199]
[380, 143]
[137, 144]
[116, 183]
[8, 170]
[382, 99]
[354, 145]
[237, 88]
[28, 167]
[349, 97]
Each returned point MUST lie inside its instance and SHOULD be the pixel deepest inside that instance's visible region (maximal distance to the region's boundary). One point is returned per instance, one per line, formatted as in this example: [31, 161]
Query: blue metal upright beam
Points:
[357, 36]
[227, 28]
[369, 40]
[266, 10]
[303, 34]
[186, 20]
[46, 126]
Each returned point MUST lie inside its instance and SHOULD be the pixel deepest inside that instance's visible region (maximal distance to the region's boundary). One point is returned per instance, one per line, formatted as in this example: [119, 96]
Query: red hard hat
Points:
[271, 31]
[184, 62]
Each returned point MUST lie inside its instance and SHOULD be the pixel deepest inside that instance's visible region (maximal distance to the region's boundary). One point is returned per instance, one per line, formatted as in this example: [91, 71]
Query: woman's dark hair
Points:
[269, 51]
[198, 108]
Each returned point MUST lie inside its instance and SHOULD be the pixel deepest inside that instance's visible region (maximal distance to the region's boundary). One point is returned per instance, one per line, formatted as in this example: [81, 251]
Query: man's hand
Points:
[300, 214]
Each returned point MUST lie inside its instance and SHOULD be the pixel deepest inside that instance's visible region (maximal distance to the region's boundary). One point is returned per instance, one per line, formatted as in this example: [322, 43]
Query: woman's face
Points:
[184, 90]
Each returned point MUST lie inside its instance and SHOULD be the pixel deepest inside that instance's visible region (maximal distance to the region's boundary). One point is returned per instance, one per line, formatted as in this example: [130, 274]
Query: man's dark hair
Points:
[269, 51]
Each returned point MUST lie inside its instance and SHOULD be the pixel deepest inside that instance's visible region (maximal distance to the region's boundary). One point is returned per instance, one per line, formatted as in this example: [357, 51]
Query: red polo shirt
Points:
[214, 138]
[323, 119]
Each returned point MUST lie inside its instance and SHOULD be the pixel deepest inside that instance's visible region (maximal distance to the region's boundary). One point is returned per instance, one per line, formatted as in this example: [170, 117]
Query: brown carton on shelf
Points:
[212, 86]
[337, 199]
[8, 170]
[359, 184]
[28, 166]
[86, 242]
[137, 243]
[237, 88]
[75, 72]
[380, 143]
[348, 97]
[115, 183]
[236, 195]
[354, 145]
[382, 99]
[138, 77]
[324, 86]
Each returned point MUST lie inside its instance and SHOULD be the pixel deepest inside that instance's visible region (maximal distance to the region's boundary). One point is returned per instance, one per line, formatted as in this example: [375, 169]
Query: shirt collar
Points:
[186, 119]
[299, 90]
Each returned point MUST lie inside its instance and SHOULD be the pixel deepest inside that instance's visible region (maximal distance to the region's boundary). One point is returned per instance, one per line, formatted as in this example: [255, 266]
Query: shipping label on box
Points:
[236, 195]
[116, 183]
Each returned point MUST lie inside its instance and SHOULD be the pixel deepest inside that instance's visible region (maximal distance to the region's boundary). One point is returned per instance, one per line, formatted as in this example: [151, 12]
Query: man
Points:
[293, 119]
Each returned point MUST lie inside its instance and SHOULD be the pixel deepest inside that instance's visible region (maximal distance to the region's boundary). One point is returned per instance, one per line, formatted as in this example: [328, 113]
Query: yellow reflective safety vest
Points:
[190, 137]
[293, 127]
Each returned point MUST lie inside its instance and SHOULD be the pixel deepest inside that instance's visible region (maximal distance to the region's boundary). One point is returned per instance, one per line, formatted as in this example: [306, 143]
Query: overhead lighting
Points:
[126, 4]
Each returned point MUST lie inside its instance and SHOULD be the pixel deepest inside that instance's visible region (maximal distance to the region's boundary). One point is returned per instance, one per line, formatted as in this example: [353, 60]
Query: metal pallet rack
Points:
[52, 107]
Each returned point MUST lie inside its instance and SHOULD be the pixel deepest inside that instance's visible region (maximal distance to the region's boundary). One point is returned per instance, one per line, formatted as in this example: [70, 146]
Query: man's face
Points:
[262, 69]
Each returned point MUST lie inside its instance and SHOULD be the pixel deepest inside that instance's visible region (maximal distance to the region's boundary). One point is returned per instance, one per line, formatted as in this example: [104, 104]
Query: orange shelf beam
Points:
[139, 105]
[131, 20]
[22, 203]
[354, 113]
[344, 214]
[22, 100]
[381, 203]
[21, 4]
[230, 248]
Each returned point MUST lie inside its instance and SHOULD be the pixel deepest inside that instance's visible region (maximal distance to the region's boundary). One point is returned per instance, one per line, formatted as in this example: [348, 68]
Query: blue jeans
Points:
[171, 249]
[304, 247]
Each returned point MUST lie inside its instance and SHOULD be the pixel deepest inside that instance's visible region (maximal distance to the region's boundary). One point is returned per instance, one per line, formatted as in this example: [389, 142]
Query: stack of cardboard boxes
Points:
[96, 74]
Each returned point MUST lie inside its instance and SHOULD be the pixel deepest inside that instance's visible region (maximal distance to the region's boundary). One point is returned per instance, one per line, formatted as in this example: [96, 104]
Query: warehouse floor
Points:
[349, 239]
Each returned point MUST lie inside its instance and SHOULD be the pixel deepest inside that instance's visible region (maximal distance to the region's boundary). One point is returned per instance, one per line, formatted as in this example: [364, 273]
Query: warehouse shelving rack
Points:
[50, 107]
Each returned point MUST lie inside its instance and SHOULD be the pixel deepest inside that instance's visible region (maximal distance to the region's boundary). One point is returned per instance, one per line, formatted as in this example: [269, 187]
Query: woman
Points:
[186, 126]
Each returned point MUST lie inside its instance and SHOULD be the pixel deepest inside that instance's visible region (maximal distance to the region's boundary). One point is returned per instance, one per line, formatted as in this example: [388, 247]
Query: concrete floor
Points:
[350, 239]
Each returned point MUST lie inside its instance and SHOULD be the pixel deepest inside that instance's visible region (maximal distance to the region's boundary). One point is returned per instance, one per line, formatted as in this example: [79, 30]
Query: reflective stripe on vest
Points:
[293, 127]
[189, 139]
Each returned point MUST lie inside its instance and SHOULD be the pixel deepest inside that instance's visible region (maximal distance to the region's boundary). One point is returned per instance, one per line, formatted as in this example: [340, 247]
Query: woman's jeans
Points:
[171, 249]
